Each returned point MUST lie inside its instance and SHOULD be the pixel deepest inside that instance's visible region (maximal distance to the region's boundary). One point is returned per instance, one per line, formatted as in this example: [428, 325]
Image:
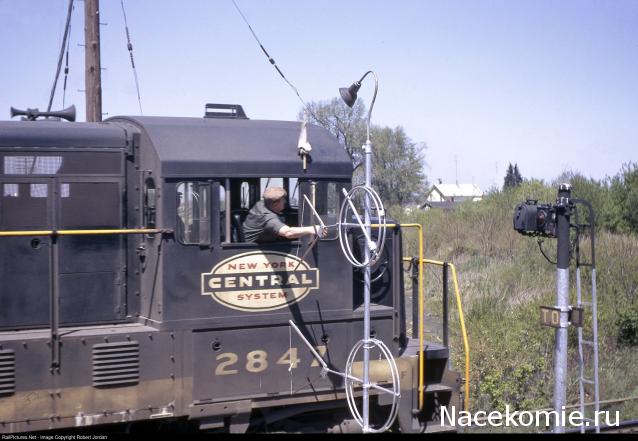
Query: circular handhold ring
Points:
[348, 210]
[396, 386]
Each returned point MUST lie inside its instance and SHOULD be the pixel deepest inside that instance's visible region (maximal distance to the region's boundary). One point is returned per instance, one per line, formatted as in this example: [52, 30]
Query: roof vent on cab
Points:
[232, 111]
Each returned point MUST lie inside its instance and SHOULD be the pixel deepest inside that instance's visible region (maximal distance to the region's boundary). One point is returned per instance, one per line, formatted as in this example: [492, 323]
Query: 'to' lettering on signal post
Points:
[550, 316]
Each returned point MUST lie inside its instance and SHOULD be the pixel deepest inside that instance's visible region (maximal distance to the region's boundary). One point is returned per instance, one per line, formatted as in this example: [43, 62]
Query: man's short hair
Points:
[274, 194]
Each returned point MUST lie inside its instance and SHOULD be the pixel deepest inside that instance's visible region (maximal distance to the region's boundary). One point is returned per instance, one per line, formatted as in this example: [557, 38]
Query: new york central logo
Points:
[260, 281]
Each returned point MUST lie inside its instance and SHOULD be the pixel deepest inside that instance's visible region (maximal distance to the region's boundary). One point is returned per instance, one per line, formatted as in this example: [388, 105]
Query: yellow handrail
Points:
[466, 345]
[421, 384]
[27, 233]
[421, 311]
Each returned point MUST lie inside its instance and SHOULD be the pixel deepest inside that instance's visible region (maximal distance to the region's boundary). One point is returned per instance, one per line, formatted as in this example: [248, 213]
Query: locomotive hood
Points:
[58, 134]
[223, 147]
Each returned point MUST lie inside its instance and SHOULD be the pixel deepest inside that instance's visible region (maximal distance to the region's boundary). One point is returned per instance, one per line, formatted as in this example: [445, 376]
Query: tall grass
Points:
[503, 280]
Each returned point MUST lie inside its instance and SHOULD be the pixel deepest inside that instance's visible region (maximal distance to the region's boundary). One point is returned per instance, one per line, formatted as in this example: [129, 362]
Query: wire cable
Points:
[61, 57]
[66, 68]
[272, 61]
[540, 247]
[129, 46]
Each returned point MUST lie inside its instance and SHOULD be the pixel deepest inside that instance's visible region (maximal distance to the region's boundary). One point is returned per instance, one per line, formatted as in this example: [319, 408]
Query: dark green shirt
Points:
[261, 224]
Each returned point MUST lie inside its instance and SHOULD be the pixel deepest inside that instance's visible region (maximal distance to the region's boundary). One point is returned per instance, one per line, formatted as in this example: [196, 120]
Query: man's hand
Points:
[321, 231]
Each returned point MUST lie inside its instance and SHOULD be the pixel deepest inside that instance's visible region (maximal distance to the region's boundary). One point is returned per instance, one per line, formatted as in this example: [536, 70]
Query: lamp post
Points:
[349, 96]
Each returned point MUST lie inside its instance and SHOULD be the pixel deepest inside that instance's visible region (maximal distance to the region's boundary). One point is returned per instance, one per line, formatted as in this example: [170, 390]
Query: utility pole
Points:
[93, 80]
[563, 213]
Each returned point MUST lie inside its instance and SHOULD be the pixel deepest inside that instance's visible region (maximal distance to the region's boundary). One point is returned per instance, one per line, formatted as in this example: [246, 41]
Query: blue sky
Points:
[550, 85]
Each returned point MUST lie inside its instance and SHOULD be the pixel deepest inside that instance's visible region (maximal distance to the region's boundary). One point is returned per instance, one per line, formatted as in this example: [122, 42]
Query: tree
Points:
[518, 179]
[397, 161]
[398, 166]
[620, 214]
[513, 177]
[589, 189]
[347, 124]
[509, 177]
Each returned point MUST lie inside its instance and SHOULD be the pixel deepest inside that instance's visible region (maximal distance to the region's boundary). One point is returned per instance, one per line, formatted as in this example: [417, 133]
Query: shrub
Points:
[628, 326]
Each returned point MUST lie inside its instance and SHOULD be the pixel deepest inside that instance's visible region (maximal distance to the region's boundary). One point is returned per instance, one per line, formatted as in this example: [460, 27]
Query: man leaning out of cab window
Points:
[262, 223]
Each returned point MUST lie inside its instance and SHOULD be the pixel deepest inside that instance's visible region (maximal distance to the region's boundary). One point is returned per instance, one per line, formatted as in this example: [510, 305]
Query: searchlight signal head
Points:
[534, 219]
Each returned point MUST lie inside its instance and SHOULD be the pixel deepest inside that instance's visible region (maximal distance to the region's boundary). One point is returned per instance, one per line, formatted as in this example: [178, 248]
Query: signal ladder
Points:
[587, 344]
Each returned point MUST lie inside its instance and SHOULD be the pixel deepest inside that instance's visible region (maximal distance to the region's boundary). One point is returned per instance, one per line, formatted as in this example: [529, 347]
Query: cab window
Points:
[326, 197]
[193, 213]
[244, 193]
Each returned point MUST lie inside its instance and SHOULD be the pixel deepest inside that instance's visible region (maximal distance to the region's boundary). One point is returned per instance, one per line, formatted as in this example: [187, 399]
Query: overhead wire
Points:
[274, 64]
[66, 67]
[129, 46]
[61, 56]
[270, 59]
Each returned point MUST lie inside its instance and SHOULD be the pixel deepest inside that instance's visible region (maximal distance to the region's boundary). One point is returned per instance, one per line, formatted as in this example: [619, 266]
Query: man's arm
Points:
[296, 232]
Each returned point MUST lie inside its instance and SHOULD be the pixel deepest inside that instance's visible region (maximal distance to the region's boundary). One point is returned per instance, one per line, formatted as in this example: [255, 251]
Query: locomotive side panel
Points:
[144, 209]
[26, 382]
[266, 362]
[58, 177]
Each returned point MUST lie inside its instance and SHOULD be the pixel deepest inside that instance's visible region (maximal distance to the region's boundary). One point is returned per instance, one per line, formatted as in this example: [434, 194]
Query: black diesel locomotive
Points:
[128, 293]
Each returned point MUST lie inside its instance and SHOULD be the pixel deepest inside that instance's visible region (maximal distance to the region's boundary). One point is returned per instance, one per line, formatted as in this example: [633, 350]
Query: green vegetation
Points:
[398, 161]
[513, 177]
[503, 276]
[504, 279]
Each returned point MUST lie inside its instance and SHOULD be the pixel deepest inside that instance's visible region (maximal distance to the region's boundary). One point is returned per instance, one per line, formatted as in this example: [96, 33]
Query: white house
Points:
[452, 193]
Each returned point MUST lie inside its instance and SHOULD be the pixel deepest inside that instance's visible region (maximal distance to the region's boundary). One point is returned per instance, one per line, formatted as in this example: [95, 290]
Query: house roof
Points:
[458, 190]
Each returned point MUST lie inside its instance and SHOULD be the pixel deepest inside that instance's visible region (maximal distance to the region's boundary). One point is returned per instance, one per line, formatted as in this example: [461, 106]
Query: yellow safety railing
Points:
[81, 232]
[421, 386]
[466, 345]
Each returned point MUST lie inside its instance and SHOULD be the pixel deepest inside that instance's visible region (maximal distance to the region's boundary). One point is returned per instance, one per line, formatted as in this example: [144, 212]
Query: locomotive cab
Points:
[199, 178]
